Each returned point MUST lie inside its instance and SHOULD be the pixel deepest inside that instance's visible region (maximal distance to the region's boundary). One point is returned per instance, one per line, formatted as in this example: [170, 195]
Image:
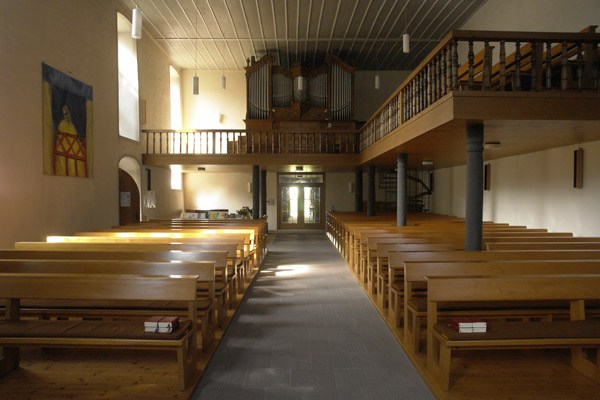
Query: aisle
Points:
[306, 330]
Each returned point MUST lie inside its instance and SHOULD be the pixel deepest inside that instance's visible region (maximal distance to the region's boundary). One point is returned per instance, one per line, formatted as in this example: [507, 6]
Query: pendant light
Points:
[136, 23]
[377, 74]
[195, 79]
[405, 37]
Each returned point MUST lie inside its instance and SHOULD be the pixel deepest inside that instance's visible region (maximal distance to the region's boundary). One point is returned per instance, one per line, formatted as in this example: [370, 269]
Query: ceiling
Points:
[222, 34]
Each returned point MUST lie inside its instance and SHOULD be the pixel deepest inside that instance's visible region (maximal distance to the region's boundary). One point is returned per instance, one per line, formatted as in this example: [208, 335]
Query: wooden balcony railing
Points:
[478, 61]
[235, 142]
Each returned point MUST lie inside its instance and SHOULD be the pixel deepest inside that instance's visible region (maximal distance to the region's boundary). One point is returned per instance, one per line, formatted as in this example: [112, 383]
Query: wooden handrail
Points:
[537, 54]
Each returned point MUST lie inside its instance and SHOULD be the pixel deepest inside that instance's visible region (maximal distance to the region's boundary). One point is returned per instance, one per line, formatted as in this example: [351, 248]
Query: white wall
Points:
[367, 98]
[533, 189]
[211, 190]
[535, 15]
[336, 191]
[202, 111]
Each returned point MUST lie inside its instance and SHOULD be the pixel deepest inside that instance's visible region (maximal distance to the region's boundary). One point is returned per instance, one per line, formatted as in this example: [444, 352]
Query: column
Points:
[474, 209]
[255, 192]
[371, 205]
[263, 192]
[358, 190]
[401, 206]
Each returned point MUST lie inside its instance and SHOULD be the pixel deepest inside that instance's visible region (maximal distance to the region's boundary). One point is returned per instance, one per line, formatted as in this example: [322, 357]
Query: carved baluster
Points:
[405, 104]
[518, 66]
[471, 70]
[502, 66]
[413, 88]
[424, 88]
[444, 71]
[548, 66]
[596, 65]
[579, 67]
[454, 65]
[421, 91]
[429, 85]
[438, 76]
[563, 67]
[487, 62]
[533, 66]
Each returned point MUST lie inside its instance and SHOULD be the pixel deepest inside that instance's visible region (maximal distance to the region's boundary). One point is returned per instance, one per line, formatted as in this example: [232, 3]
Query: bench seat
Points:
[86, 329]
[138, 305]
[523, 334]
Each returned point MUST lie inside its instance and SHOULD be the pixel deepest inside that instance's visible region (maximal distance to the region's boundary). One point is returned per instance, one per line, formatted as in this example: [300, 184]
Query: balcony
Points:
[531, 90]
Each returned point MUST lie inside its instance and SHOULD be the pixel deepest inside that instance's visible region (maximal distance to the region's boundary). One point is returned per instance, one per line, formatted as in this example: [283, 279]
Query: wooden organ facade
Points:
[300, 99]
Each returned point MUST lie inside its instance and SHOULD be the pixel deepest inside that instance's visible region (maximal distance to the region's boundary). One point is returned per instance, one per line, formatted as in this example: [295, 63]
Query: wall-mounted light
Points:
[377, 81]
[350, 187]
[223, 81]
[427, 162]
[300, 83]
[136, 23]
[249, 187]
[491, 145]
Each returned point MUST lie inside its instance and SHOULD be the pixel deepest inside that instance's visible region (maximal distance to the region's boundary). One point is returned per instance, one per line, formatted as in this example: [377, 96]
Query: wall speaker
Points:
[578, 169]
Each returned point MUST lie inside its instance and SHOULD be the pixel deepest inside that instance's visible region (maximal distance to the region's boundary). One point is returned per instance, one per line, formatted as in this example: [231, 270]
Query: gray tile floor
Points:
[306, 330]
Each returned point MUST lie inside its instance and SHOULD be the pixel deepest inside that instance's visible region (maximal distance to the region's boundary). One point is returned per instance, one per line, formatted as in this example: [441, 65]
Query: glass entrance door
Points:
[301, 206]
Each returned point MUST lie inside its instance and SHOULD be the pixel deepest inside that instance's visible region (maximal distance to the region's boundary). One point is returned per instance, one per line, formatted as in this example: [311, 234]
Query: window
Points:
[176, 181]
[129, 120]
[175, 100]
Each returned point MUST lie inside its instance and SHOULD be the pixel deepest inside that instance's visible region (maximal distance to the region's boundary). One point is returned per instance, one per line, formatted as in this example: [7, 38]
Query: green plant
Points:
[245, 212]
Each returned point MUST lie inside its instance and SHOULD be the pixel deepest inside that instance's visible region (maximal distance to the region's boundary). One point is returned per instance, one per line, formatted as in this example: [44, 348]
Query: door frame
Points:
[302, 225]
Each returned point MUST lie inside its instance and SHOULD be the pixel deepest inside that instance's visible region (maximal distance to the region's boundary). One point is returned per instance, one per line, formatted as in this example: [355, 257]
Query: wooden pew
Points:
[205, 286]
[157, 240]
[576, 334]
[544, 246]
[415, 302]
[378, 274]
[246, 250]
[97, 334]
[122, 252]
[396, 266]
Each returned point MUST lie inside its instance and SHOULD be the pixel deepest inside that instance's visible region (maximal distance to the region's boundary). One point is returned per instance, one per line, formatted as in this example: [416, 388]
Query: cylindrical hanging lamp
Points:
[136, 23]
[405, 43]
[196, 85]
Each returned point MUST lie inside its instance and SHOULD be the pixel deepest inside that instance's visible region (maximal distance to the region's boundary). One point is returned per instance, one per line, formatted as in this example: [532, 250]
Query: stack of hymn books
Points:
[161, 324]
[468, 324]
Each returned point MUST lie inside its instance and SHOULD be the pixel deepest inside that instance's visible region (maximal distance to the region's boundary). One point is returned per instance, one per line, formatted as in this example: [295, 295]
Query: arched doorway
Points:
[129, 191]
[129, 199]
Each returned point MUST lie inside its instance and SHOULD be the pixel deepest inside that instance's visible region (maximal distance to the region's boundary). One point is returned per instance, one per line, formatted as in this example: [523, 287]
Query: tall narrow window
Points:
[176, 118]
[129, 106]
[175, 100]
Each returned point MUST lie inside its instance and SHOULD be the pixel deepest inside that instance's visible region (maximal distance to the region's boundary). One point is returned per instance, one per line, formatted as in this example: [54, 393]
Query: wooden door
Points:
[129, 199]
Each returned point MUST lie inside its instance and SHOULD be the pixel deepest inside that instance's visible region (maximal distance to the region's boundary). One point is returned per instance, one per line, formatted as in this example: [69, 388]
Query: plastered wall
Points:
[533, 189]
[78, 37]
